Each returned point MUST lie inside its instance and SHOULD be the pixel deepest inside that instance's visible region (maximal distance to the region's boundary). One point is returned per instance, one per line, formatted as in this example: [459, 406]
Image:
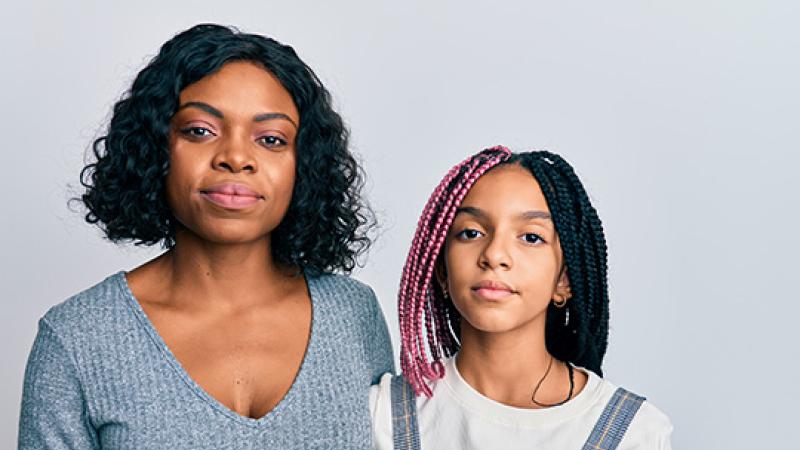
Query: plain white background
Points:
[680, 116]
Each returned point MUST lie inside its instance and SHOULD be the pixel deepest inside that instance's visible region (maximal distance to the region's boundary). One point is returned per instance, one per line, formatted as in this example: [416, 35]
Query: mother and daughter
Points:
[226, 150]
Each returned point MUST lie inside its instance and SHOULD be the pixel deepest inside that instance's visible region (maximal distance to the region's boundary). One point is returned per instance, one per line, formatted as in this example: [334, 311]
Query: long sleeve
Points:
[53, 412]
[381, 357]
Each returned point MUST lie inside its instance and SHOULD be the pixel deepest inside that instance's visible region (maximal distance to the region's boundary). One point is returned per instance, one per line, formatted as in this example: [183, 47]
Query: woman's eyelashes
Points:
[271, 141]
[196, 133]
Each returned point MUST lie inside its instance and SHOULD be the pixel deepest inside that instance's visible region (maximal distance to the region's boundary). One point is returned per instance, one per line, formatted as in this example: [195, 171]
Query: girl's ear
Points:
[563, 291]
[440, 272]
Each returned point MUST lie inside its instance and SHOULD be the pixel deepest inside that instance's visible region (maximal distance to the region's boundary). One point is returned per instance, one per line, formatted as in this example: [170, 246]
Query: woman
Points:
[505, 284]
[225, 150]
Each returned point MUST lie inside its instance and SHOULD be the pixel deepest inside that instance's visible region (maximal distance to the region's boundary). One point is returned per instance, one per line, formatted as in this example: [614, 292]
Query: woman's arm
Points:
[53, 413]
[379, 345]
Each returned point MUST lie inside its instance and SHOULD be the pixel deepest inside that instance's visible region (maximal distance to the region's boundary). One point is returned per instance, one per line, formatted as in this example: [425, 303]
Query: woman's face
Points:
[502, 257]
[232, 155]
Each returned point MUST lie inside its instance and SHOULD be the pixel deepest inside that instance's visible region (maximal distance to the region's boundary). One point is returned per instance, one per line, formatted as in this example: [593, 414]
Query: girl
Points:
[505, 284]
[226, 150]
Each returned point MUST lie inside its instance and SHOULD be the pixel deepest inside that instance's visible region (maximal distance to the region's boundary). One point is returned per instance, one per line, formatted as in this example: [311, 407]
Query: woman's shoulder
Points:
[89, 309]
[338, 285]
[343, 293]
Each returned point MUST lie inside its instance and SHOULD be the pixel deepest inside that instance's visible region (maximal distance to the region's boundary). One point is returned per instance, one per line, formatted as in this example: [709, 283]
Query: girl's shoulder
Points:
[649, 424]
[380, 408]
[456, 404]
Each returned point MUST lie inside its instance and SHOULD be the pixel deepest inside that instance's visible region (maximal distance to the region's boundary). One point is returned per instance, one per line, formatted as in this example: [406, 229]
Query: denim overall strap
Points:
[614, 421]
[405, 433]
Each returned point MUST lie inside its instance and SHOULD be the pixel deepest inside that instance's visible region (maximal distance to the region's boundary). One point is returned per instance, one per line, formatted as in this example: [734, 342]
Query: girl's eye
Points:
[271, 141]
[532, 238]
[468, 234]
[196, 132]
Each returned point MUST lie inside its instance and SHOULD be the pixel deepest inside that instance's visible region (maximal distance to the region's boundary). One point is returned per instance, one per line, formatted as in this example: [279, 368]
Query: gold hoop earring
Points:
[560, 304]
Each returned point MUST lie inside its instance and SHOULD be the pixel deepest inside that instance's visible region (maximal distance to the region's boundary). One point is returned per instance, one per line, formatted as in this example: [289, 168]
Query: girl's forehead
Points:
[508, 188]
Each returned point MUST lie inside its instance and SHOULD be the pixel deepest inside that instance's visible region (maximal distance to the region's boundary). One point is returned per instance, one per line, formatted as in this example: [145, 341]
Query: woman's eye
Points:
[271, 141]
[196, 132]
[532, 238]
[468, 234]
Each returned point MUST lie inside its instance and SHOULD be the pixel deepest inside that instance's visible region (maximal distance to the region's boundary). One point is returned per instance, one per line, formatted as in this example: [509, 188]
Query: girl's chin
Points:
[500, 322]
[493, 325]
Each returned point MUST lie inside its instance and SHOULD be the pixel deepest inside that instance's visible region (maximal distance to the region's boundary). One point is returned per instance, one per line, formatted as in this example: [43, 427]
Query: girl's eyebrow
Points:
[527, 215]
[471, 210]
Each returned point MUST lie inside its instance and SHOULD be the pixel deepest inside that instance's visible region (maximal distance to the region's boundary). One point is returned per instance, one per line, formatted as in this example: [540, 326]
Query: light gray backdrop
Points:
[680, 116]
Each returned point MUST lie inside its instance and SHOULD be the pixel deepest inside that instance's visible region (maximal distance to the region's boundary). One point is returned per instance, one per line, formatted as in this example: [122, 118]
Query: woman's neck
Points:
[199, 273]
[507, 366]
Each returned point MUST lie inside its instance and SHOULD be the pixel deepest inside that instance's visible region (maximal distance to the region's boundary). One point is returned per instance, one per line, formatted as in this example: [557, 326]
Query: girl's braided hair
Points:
[421, 303]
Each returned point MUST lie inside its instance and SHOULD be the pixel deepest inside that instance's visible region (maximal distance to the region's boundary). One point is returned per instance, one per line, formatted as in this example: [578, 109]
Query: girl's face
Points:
[232, 154]
[503, 260]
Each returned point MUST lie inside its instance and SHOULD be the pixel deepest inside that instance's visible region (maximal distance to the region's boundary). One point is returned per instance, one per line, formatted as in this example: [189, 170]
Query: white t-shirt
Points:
[459, 417]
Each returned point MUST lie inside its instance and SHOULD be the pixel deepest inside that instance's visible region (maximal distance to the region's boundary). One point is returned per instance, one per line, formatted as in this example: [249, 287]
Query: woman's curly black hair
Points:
[327, 224]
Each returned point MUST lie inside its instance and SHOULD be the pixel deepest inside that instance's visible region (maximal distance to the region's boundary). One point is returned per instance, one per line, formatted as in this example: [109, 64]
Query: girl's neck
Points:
[506, 367]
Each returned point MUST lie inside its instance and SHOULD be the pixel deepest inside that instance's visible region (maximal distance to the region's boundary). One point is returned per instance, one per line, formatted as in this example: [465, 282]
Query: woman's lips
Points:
[231, 195]
[230, 201]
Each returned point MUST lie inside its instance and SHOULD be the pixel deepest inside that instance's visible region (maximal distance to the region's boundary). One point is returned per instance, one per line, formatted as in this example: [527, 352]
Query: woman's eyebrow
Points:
[204, 106]
[217, 113]
[274, 115]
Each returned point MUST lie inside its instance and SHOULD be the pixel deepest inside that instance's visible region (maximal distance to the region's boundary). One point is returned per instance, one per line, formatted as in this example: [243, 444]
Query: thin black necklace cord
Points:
[539, 384]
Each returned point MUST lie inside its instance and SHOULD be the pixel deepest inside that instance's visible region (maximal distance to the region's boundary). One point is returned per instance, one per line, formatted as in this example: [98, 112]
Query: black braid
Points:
[597, 250]
[583, 342]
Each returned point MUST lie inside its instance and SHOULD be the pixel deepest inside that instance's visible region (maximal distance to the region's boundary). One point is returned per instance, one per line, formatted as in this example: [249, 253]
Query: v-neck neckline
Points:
[196, 388]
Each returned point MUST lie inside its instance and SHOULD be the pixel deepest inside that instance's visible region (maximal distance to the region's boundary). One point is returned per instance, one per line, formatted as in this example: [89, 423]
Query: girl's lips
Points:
[230, 201]
[492, 294]
[492, 290]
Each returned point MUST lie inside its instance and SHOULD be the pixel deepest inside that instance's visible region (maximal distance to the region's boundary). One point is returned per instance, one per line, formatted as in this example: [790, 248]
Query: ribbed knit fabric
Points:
[100, 377]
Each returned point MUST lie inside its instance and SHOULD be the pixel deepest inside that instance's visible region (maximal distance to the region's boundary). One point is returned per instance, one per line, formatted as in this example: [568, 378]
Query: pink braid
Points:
[417, 305]
[421, 286]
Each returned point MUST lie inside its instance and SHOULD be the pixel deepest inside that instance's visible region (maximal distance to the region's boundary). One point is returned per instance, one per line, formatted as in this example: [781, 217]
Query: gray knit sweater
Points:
[100, 377]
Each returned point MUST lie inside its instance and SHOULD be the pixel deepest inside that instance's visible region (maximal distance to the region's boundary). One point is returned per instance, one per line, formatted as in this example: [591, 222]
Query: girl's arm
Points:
[53, 413]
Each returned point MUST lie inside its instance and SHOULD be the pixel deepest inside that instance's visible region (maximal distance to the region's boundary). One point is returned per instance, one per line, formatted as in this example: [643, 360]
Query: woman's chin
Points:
[230, 234]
